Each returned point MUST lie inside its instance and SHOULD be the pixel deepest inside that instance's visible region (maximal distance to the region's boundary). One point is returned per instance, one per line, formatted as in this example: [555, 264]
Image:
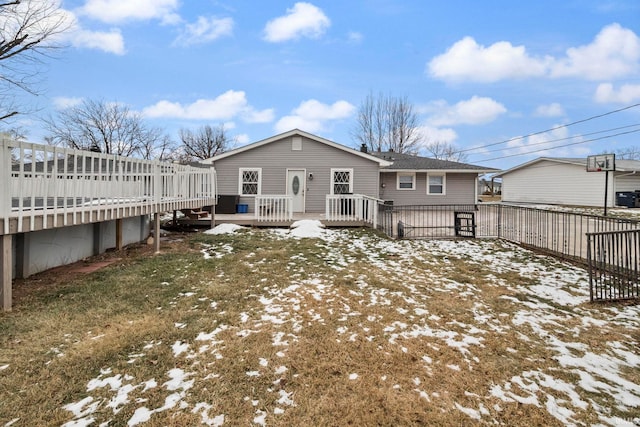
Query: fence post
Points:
[590, 266]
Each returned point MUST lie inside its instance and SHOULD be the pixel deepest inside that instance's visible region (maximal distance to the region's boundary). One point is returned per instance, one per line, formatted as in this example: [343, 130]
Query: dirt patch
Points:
[57, 276]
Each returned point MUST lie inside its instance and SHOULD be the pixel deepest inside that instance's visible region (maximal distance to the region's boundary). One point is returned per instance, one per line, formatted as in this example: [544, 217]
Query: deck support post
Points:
[97, 237]
[213, 216]
[23, 258]
[156, 232]
[5, 271]
[119, 234]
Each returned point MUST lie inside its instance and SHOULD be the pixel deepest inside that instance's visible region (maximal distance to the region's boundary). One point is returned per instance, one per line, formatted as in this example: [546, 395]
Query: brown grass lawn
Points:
[258, 328]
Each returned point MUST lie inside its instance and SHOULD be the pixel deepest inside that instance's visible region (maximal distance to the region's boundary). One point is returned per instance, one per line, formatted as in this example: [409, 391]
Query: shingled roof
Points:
[404, 162]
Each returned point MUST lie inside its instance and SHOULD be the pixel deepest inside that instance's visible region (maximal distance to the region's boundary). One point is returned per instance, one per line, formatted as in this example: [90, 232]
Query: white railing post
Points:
[5, 193]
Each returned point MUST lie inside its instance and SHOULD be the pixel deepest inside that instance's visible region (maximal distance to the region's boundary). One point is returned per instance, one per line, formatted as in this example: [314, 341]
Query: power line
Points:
[560, 146]
[551, 129]
[559, 139]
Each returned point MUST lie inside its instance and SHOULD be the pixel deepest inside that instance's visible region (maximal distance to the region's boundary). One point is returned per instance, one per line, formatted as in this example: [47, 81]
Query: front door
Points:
[296, 188]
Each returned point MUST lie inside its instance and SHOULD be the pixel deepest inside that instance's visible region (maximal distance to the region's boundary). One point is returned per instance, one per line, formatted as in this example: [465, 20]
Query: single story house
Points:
[565, 181]
[415, 180]
[310, 168]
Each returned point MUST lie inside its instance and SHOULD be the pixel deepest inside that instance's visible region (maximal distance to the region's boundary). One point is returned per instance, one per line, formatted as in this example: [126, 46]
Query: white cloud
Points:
[549, 110]
[548, 144]
[242, 139]
[311, 115]
[259, 116]
[229, 105]
[626, 94]
[477, 110]
[110, 42]
[116, 11]
[62, 102]
[434, 134]
[467, 60]
[355, 37]
[615, 52]
[303, 20]
[107, 41]
[205, 30]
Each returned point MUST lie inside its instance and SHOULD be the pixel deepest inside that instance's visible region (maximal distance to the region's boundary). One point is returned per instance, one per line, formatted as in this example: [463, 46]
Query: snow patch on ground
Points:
[548, 305]
[224, 229]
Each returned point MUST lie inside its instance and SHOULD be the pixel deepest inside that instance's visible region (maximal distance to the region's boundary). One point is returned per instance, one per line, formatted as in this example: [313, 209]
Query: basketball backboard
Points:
[601, 163]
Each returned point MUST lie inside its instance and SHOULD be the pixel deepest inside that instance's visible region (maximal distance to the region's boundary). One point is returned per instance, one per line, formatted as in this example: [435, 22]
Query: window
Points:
[406, 181]
[296, 143]
[436, 184]
[250, 183]
[341, 181]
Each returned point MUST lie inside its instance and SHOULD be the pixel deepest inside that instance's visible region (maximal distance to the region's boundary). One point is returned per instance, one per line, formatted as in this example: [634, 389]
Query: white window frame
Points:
[413, 181]
[444, 184]
[333, 172]
[241, 182]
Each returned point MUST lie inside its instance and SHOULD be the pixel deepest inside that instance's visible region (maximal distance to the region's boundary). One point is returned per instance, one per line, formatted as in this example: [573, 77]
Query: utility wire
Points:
[551, 129]
[560, 146]
[559, 139]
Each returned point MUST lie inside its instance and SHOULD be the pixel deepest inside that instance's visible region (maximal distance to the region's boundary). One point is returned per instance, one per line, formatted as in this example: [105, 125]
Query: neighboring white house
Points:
[565, 181]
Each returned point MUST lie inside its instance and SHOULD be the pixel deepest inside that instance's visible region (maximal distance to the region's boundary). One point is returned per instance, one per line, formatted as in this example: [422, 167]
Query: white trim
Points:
[303, 184]
[332, 183]
[240, 181]
[298, 132]
[444, 184]
[413, 181]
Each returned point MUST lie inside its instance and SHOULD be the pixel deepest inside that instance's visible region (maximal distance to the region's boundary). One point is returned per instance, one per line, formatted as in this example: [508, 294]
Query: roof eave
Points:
[292, 132]
[477, 171]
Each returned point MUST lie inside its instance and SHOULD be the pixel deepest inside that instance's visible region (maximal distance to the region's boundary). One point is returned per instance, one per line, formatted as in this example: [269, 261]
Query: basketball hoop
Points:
[602, 163]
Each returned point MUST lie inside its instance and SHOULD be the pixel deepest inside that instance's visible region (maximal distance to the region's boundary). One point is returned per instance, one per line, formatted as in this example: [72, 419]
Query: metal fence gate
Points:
[614, 265]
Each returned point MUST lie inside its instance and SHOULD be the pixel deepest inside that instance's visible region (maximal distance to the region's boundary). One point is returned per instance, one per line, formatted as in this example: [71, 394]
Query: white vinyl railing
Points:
[352, 208]
[63, 187]
[274, 208]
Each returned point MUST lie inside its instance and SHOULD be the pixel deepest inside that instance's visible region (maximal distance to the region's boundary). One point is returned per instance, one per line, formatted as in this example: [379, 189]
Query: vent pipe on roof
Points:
[363, 148]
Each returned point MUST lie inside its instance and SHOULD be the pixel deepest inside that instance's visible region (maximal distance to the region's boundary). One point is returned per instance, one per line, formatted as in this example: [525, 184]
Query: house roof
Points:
[410, 162]
[621, 165]
[299, 132]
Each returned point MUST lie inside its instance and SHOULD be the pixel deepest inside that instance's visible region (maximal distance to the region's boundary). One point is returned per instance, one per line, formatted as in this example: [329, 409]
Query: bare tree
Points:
[106, 128]
[160, 147]
[28, 33]
[445, 151]
[205, 142]
[629, 153]
[16, 133]
[387, 123]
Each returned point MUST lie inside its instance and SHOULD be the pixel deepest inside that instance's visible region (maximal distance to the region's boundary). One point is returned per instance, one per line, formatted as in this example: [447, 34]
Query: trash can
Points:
[242, 208]
[227, 203]
[626, 198]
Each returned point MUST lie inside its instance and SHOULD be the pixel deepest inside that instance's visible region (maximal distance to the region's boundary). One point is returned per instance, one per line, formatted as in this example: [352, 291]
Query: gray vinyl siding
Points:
[459, 189]
[556, 183]
[316, 158]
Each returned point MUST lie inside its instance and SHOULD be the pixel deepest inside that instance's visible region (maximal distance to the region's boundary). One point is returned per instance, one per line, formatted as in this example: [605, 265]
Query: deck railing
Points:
[50, 186]
[352, 208]
[274, 208]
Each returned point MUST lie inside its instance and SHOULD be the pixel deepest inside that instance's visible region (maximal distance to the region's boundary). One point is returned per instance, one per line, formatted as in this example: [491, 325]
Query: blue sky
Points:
[477, 72]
